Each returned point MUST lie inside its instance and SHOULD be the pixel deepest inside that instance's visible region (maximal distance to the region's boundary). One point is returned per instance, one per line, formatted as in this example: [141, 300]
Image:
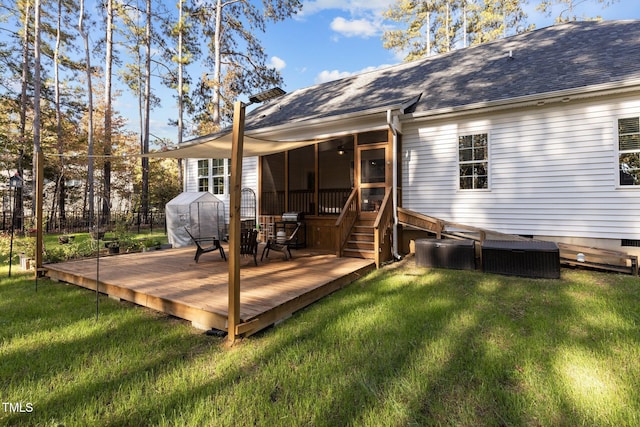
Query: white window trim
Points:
[457, 142]
[210, 176]
[616, 160]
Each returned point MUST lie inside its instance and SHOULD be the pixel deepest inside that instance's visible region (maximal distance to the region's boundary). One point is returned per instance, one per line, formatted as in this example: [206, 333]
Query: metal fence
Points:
[78, 221]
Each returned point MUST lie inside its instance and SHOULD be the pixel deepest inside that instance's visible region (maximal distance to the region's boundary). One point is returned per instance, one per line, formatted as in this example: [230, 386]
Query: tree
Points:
[65, 11]
[236, 56]
[108, 66]
[568, 8]
[436, 26]
[90, 143]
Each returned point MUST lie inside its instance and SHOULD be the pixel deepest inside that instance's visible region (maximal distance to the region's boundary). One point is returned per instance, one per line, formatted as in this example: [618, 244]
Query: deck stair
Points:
[361, 240]
[570, 254]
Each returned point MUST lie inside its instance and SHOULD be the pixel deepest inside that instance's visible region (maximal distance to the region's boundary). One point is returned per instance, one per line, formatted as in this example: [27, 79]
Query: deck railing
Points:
[330, 201]
[382, 228]
[444, 228]
[346, 221]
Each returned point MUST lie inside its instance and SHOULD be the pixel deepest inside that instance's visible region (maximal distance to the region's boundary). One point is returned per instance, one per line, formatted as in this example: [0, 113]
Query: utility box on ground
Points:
[446, 253]
[533, 258]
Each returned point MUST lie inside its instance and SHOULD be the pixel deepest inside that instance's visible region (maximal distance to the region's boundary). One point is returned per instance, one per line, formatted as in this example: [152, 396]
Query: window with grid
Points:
[218, 174]
[473, 161]
[203, 175]
[629, 151]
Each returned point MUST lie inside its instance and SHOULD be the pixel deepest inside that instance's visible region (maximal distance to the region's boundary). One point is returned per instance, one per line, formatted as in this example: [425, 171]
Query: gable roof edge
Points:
[611, 88]
[317, 124]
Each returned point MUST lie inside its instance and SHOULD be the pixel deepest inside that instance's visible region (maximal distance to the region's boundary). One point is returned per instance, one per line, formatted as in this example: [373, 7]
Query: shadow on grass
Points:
[401, 346]
[443, 347]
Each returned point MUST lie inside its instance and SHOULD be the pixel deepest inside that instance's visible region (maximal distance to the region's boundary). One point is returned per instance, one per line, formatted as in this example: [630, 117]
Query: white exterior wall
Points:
[553, 171]
[249, 179]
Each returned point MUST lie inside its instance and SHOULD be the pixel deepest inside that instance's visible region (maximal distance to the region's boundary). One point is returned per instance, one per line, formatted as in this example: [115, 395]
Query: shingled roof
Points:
[575, 55]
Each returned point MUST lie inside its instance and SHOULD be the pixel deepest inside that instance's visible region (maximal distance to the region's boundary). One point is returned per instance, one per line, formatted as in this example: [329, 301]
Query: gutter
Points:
[311, 125]
[613, 88]
[394, 188]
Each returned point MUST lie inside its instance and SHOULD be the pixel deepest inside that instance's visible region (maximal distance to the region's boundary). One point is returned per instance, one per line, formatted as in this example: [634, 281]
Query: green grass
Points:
[81, 246]
[401, 346]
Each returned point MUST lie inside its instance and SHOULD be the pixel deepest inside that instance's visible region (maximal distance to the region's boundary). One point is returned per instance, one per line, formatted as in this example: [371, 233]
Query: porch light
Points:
[266, 95]
[341, 150]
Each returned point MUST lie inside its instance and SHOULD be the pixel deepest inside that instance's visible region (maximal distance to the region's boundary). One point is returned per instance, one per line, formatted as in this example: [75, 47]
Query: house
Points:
[536, 135]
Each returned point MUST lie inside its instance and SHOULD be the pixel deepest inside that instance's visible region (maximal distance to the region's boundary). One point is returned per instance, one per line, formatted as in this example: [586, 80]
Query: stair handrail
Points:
[438, 226]
[346, 221]
[382, 225]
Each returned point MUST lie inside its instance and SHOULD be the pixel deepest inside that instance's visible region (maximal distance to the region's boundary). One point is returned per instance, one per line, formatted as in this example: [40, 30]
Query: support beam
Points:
[235, 188]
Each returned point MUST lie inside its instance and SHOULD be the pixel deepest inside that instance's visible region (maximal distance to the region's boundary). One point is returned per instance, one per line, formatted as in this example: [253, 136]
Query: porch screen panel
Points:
[336, 174]
[302, 180]
[273, 176]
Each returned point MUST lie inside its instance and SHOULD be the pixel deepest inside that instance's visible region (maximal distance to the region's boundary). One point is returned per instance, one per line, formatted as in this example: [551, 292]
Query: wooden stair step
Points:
[359, 244]
[359, 253]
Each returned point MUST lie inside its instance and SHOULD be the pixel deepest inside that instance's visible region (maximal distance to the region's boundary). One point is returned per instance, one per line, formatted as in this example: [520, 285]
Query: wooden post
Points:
[234, 220]
[39, 201]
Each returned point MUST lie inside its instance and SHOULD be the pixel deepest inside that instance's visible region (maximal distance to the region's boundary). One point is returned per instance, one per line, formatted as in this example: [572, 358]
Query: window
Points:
[203, 175]
[217, 175]
[473, 160]
[629, 151]
[212, 175]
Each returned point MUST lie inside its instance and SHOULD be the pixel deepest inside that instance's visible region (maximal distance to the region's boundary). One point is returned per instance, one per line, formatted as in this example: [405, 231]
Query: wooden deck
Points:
[171, 282]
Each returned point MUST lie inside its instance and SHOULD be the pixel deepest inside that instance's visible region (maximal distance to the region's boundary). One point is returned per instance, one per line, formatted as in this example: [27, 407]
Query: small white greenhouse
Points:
[201, 213]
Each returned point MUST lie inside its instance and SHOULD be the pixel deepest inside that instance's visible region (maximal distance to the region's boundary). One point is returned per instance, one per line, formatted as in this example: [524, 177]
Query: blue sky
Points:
[336, 38]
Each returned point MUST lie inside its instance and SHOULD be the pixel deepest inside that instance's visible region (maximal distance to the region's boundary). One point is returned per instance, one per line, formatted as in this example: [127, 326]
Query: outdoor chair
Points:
[249, 243]
[199, 241]
[283, 245]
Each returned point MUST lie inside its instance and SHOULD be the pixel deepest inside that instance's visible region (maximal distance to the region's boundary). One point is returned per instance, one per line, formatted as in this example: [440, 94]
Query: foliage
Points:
[124, 239]
[401, 346]
[77, 249]
[236, 56]
[568, 8]
[82, 245]
[437, 26]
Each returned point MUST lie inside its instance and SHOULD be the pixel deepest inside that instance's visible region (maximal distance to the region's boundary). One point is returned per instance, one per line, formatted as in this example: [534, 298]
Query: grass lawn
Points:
[401, 346]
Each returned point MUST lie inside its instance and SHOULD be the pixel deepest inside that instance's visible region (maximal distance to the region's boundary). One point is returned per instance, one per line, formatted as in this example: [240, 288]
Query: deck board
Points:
[172, 282]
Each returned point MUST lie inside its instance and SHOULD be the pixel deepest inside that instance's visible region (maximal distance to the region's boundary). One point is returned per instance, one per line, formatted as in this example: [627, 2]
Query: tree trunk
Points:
[147, 111]
[106, 191]
[60, 192]
[180, 86]
[90, 160]
[36, 84]
[24, 101]
[217, 67]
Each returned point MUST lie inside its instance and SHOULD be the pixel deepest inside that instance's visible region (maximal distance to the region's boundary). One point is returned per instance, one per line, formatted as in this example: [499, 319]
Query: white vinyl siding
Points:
[553, 170]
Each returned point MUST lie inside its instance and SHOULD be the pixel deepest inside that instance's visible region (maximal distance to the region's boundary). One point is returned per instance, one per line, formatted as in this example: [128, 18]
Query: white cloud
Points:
[354, 27]
[327, 75]
[277, 63]
[355, 7]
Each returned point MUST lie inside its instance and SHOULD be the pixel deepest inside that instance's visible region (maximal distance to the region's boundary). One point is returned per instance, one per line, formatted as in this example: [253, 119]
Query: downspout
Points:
[394, 185]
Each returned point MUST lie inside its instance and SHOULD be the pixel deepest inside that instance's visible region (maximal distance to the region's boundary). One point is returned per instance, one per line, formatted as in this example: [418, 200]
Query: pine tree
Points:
[238, 59]
[437, 26]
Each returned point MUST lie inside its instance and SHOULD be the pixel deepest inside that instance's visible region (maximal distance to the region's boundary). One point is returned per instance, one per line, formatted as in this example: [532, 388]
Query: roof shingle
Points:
[551, 59]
